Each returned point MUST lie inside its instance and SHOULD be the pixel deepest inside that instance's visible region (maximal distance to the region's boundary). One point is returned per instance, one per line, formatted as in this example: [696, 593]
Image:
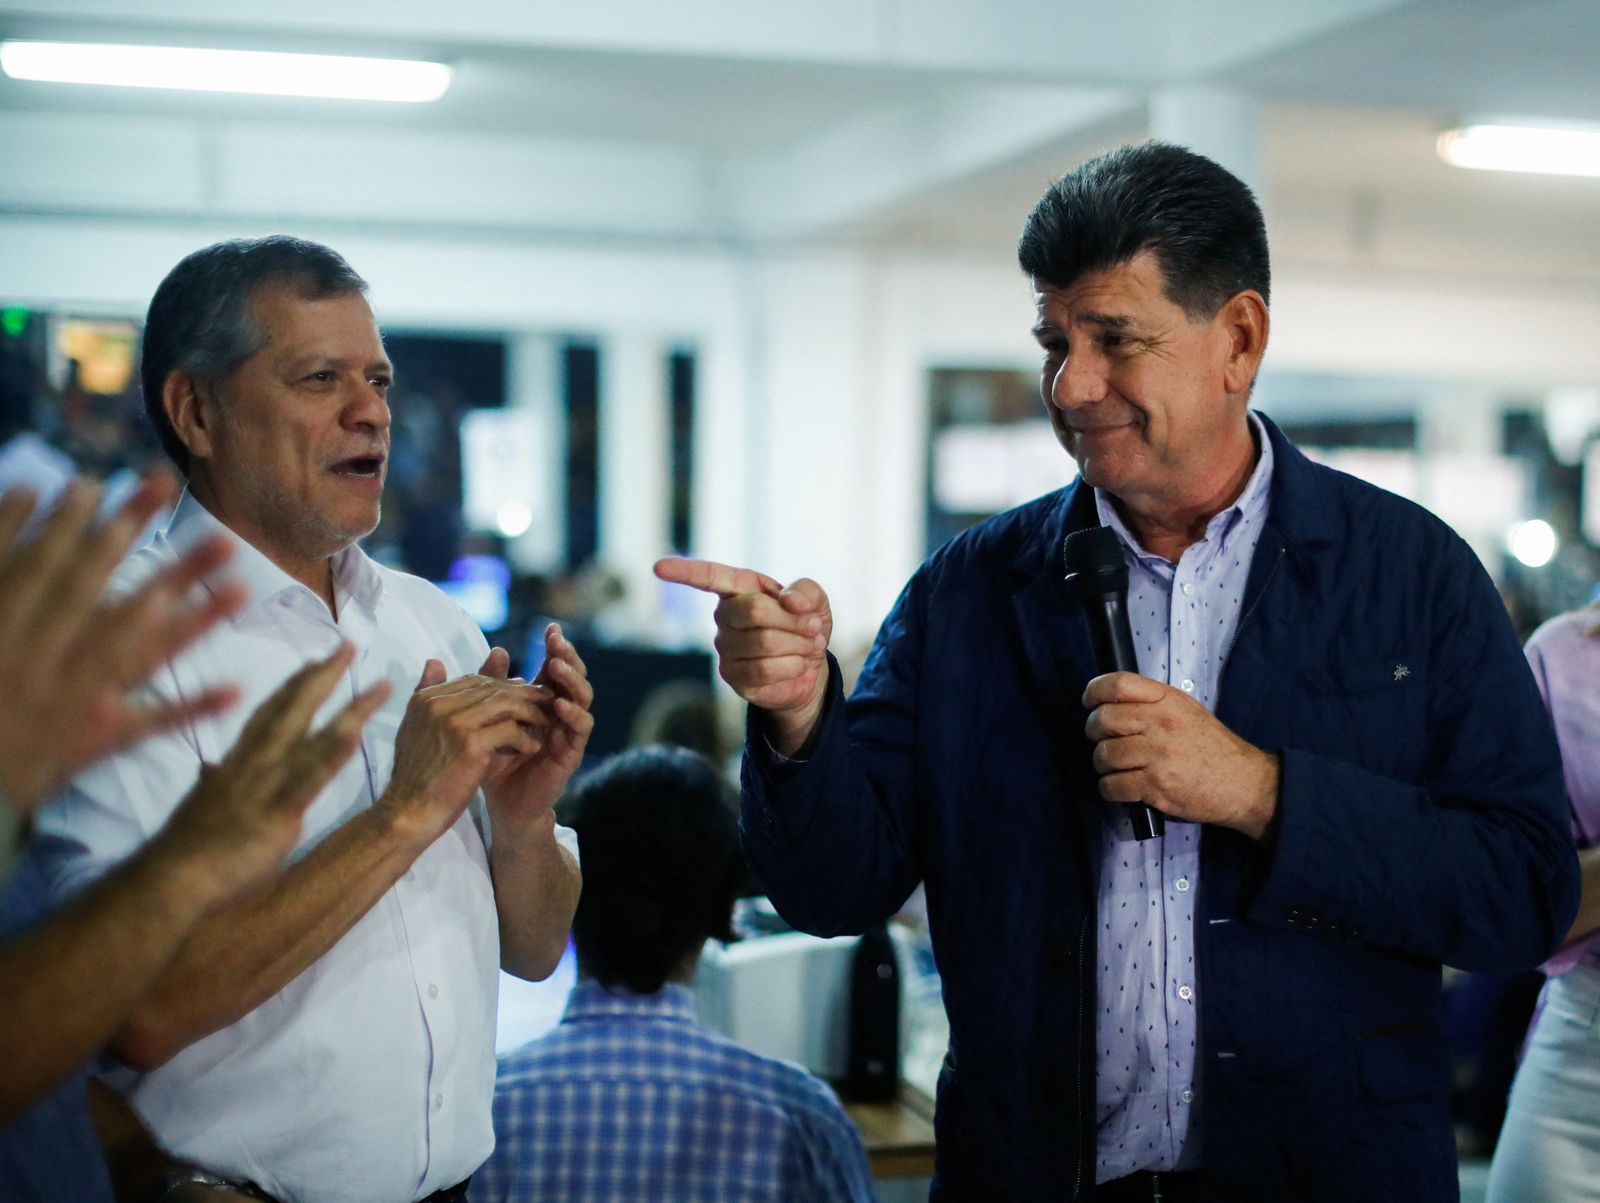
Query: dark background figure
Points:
[630, 1098]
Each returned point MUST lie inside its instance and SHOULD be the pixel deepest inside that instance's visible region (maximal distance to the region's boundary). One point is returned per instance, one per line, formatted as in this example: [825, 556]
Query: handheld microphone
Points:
[1097, 576]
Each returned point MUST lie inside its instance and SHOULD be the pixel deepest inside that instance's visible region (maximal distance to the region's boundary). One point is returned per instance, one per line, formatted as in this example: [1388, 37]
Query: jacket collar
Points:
[1300, 507]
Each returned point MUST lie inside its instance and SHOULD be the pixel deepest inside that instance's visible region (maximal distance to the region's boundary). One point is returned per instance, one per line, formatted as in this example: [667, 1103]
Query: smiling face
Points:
[291, 449]
[1149, 401]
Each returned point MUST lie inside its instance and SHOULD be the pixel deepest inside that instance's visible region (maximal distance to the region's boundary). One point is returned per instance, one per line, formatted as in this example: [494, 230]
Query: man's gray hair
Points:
[200, 321]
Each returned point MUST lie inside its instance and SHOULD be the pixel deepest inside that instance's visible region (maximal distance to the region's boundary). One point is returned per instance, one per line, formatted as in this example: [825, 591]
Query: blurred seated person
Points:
[680, 714]
[630, 1098]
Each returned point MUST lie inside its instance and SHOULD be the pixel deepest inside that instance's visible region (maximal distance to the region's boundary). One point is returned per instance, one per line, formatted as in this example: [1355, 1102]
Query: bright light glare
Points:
[1523, 148]
[513, 519]
[1533, 543]
[336, 76]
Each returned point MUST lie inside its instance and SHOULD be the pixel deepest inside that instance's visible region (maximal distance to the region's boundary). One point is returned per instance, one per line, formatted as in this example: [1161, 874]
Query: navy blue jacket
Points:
[1422, 822]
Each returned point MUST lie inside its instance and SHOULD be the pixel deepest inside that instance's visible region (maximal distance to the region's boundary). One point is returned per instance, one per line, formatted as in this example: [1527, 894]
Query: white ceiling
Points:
[927, 124]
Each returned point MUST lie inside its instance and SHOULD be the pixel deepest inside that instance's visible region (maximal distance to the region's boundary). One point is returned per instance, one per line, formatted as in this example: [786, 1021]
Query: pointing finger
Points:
[708, 576]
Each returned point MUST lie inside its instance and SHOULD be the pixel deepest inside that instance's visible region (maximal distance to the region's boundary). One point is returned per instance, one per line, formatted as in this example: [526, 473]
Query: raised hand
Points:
[453, 734]
[242, 818]
[69, 659]
[521, 788]
[772, 641]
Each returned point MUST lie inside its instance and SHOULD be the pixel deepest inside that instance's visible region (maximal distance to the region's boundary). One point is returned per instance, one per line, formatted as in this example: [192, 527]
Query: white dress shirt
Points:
[370, 1076]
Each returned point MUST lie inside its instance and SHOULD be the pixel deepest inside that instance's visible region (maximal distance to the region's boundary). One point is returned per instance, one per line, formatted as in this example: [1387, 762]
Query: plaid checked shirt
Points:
[630, 1099]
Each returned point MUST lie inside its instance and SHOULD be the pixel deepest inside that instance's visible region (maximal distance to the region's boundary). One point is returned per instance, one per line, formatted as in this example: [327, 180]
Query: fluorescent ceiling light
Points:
[1549, 151]
[336, 76]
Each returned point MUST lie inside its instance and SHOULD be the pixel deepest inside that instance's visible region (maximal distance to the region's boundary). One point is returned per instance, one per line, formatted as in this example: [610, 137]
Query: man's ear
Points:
[186, 402]
[1244, 317]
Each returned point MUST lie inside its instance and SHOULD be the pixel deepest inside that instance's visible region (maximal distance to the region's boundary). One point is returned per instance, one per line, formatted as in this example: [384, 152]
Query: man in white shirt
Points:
[331, 1038]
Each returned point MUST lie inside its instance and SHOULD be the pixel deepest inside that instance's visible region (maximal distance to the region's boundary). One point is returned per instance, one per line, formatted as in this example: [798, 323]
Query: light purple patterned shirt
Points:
[1183, 617]
[1565, 656]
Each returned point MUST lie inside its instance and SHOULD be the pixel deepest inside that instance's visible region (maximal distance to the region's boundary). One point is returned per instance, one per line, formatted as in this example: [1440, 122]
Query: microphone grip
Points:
[1113, 652]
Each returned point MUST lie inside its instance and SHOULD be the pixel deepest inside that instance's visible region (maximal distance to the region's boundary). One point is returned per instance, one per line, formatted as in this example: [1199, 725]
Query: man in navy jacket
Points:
[1332, 712]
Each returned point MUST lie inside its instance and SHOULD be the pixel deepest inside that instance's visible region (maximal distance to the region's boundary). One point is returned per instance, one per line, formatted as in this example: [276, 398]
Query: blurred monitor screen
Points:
[479, 586]
[499, 451]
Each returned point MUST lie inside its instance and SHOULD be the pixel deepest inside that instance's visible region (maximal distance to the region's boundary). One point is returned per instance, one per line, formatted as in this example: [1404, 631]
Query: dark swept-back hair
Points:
[661, 864]
[200, 321]
[1199, 219]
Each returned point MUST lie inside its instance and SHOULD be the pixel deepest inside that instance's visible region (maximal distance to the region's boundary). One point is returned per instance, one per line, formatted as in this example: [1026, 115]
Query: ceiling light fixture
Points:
[337, 76]
[1571, 150]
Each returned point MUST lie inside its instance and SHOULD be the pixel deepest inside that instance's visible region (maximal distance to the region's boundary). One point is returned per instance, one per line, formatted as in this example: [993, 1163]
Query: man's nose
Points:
[367, 409]
[1080, 380]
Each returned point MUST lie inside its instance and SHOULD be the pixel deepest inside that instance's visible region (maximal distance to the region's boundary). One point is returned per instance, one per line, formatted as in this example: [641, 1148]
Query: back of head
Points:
[1201, 221]
[661, 864]
[200, 321]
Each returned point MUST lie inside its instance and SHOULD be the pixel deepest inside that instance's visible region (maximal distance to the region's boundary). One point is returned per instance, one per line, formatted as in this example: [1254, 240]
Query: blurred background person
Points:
[1549, 1150]
[630, 1099]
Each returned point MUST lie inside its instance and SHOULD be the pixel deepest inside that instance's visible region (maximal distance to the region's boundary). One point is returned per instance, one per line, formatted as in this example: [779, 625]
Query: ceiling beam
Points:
[883, 159]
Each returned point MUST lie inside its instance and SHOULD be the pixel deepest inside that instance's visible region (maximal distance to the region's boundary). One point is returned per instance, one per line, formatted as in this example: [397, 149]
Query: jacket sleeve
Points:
[1471, 864]
[832, 838]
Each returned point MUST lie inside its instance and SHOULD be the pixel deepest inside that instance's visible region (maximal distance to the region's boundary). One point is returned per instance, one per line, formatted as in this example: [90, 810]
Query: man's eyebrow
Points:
[317, 360]
[1107, 321]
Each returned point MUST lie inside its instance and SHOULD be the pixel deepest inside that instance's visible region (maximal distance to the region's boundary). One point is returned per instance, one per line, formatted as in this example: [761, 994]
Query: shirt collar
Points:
[592, 1000]
[354, 574]
[1251, 502]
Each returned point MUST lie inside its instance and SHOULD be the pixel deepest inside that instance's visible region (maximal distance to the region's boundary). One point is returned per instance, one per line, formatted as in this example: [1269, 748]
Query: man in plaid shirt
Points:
[630, 1098]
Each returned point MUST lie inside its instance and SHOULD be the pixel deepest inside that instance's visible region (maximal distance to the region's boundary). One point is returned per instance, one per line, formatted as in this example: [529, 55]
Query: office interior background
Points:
[736, 278]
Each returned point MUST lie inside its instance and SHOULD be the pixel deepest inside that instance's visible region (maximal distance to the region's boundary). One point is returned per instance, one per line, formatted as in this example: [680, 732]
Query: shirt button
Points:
[1185, 993]
[433, 991]
[1187, 1096]
[1182, 884]
[1188, 589]
[410, 876]
[438, 1102]
[1187, 685]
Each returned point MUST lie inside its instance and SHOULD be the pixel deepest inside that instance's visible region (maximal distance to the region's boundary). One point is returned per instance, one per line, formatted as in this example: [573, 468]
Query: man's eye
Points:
[320, 377]
[381, 383]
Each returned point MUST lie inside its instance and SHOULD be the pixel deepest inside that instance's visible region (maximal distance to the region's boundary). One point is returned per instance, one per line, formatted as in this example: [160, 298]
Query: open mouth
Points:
[360, 465]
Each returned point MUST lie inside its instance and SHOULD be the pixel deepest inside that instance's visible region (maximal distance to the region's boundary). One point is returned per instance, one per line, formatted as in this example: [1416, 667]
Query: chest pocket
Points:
[1369, 711]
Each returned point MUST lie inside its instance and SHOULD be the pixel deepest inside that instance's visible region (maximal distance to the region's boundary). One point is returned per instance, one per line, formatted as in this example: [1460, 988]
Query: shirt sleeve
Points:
[833, 1160]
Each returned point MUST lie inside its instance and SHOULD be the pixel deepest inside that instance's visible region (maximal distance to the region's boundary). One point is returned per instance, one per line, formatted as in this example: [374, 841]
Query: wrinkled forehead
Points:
[1135, 284]
[338, 326]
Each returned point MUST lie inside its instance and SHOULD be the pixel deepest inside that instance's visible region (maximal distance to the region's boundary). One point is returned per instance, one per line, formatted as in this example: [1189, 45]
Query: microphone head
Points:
[1094, 562]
